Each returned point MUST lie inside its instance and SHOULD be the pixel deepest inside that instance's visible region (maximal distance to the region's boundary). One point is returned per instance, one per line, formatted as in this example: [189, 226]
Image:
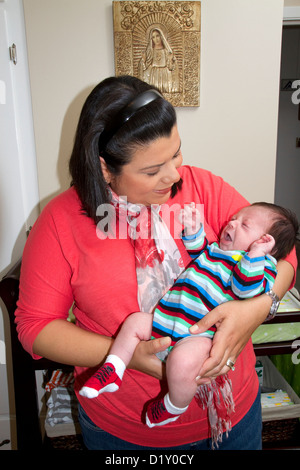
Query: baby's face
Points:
[248, 225]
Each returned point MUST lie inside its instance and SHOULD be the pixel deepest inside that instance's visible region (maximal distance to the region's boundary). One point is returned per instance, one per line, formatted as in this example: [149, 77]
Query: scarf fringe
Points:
[217, 398]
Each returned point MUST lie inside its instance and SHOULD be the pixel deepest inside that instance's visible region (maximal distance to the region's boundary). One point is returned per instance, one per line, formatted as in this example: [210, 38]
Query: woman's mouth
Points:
[163, 191]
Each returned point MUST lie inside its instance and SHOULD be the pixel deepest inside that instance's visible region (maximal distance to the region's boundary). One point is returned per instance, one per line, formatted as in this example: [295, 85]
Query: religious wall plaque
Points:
[159, 42]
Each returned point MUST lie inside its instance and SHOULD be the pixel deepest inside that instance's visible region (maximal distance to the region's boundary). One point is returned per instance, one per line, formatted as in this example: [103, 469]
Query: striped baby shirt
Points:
[214, 276]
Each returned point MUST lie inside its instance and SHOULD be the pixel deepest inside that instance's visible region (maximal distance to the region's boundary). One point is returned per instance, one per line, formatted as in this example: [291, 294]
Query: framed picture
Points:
[159, 42]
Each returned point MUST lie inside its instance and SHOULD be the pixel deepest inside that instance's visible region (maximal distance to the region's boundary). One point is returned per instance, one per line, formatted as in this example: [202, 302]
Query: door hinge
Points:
[13, 53]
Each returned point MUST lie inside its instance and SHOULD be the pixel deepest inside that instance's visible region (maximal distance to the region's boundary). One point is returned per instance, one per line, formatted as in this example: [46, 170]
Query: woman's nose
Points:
[171, 177]
[171, 173]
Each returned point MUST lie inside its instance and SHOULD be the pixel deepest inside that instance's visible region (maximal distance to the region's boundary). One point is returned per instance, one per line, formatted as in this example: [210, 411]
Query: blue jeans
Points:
[246, 435]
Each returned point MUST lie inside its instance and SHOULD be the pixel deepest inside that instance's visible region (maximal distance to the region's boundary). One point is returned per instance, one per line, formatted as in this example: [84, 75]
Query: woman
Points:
[127, 148]
[158, 65]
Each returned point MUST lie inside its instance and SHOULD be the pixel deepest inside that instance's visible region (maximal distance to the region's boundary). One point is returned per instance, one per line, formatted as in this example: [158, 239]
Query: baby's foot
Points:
[104, 380]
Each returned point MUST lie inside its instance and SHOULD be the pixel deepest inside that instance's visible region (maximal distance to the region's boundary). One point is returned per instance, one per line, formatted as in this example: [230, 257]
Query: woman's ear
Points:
[106, 173]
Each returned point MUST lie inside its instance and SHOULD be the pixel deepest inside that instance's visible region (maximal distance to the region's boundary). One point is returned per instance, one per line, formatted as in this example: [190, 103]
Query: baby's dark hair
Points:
[284, 229]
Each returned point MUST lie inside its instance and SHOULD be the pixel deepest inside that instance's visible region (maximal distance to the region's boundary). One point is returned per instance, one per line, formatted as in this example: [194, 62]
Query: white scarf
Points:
[158, 260]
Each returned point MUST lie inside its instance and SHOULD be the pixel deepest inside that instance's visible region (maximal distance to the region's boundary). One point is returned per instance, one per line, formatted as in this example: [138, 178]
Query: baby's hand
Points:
[190, 218]
[263, 246]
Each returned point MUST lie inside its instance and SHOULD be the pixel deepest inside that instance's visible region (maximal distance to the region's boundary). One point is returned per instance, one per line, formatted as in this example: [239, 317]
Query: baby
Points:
[241, 265]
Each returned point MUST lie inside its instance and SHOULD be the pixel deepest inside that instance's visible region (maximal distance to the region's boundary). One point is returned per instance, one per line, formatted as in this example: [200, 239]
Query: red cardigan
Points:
[64, 262]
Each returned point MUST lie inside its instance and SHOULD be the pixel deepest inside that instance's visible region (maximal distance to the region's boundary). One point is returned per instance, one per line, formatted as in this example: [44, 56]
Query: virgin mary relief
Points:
[159, 42]
[158, 65]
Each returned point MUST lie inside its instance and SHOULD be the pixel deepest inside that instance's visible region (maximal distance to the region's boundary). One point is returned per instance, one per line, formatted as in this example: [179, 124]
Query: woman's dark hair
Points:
[106, 100]
[284, 229]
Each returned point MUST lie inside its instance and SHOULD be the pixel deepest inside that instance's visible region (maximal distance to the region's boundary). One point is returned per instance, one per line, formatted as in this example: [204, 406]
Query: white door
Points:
[19, 201]
[18, 176]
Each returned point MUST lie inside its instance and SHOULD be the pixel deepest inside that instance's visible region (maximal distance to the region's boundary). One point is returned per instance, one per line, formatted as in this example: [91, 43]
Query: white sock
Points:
[174, 410]
[117, 363]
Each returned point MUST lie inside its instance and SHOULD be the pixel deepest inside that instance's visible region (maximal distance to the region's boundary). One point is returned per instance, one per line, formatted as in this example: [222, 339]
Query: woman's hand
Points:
[145, 359]
[235, 322]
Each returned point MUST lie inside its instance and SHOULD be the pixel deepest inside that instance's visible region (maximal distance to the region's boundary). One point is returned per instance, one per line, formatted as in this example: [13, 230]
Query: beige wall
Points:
[233, 132]
[292, 3]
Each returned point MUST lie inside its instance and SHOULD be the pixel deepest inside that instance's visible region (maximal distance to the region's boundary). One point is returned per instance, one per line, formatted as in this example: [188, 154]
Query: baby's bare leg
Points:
[108, 378]
[183, 365]
[137, 327]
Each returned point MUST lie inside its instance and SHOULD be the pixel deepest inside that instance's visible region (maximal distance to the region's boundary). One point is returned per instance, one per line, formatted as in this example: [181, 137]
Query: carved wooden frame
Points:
[180, 24]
